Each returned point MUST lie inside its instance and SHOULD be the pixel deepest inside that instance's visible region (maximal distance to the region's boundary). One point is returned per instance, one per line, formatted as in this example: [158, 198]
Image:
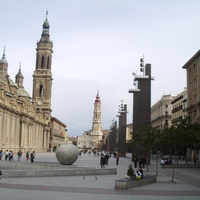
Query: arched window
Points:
[48, 63]
[42, 62]
[41, 91]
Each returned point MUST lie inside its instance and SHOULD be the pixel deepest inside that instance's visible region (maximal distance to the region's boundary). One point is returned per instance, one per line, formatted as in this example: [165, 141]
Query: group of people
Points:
[131, 175]
[104, 158]
[141, 161]
[9, 155]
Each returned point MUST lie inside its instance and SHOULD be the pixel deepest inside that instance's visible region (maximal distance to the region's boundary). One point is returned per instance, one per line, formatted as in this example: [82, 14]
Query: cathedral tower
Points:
[42, 77]
[96, 131]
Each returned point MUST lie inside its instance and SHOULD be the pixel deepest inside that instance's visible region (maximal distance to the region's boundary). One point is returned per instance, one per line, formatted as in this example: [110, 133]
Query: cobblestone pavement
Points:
[186, 183]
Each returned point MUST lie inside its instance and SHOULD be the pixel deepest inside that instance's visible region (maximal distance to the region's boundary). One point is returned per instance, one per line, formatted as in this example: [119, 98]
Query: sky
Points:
[97, 45]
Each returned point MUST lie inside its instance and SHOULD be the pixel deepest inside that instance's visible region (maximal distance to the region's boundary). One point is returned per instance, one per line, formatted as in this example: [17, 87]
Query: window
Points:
[48, 63]
[194, 67]
[195, 82]
[42, 63]
[41, 91]
[189, 71]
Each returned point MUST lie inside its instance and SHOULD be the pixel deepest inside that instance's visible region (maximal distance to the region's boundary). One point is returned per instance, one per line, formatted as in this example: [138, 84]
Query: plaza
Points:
[185, 186]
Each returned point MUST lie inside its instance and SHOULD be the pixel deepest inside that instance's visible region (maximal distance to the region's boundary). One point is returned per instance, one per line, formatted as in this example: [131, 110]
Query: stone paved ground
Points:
[186, 185]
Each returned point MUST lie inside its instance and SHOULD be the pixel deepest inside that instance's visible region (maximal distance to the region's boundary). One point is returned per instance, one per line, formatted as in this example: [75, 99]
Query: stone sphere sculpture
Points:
[67, 154]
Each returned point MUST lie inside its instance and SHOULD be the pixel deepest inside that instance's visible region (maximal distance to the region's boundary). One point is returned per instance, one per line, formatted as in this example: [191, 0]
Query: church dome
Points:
[22, 92]
[12, 83]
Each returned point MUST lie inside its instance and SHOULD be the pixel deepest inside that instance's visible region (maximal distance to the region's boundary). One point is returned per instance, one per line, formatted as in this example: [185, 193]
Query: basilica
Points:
[26, 123]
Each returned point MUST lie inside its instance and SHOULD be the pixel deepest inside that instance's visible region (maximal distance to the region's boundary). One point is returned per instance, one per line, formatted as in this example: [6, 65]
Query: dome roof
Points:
[46, 24]
[3, 60]
[23, 92]
[19, 74]
[12, 83]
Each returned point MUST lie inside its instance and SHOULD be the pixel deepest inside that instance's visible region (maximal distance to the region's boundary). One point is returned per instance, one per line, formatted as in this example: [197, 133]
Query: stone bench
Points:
[124, 184]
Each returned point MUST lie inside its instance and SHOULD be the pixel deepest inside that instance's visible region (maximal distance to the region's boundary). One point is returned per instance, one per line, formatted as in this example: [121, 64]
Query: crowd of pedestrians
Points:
[9, 155]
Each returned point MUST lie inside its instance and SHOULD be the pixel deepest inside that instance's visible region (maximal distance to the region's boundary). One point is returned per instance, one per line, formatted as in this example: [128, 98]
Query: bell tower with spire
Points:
[96, 131]
[42, 77]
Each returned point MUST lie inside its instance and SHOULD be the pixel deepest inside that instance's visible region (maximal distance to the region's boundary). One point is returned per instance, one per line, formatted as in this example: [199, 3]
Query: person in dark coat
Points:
[102, 161]
[32, 156]
[130, 172]
[135, 160]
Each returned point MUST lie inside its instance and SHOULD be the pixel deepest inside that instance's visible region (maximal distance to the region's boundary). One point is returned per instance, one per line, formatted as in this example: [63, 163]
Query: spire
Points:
[3, 60]
[46, 26]
[4, 49]
[97, 97]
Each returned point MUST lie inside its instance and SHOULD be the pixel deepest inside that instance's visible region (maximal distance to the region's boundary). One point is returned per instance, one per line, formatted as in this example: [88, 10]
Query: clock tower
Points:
[42, 77]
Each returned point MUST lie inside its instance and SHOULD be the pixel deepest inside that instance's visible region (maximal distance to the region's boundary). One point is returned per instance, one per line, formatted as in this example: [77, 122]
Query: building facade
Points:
[58, 134]
[179, 107]
[161, 112]
[192, 67]
[25, 122]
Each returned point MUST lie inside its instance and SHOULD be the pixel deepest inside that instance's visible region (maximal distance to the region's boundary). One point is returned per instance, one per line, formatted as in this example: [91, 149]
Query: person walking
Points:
[32, 156]
[27, 156]
[10, 156]
[107, 156]
[1, 155]
[6, 155]
[102, 161]
[117, 158]
[135, 160]
[19, 155]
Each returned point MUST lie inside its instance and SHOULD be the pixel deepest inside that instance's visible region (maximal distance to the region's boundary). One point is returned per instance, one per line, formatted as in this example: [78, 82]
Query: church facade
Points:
[25, 122]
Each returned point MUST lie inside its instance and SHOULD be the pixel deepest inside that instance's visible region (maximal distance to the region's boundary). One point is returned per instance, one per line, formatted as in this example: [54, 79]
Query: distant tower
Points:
[96, 131]
[42, 77]
[19, 78]
[3, 63]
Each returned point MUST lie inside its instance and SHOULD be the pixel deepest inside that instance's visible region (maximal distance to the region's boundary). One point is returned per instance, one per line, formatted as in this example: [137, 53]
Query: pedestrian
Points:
[10, 156]
[107, 156]
[143, 161]
[102, 161]
[1, 155]
[135, 160]
[27, 156]
[32, 156]
[117, 158]
[6, 155]
[195, 159]
[19, 155]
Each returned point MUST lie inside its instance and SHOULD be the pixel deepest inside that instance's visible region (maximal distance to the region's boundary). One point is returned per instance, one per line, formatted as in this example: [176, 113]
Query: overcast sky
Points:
[97, 45]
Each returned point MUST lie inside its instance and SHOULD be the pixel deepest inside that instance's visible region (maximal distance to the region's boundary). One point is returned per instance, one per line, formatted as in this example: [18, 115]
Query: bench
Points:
[124, 184]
